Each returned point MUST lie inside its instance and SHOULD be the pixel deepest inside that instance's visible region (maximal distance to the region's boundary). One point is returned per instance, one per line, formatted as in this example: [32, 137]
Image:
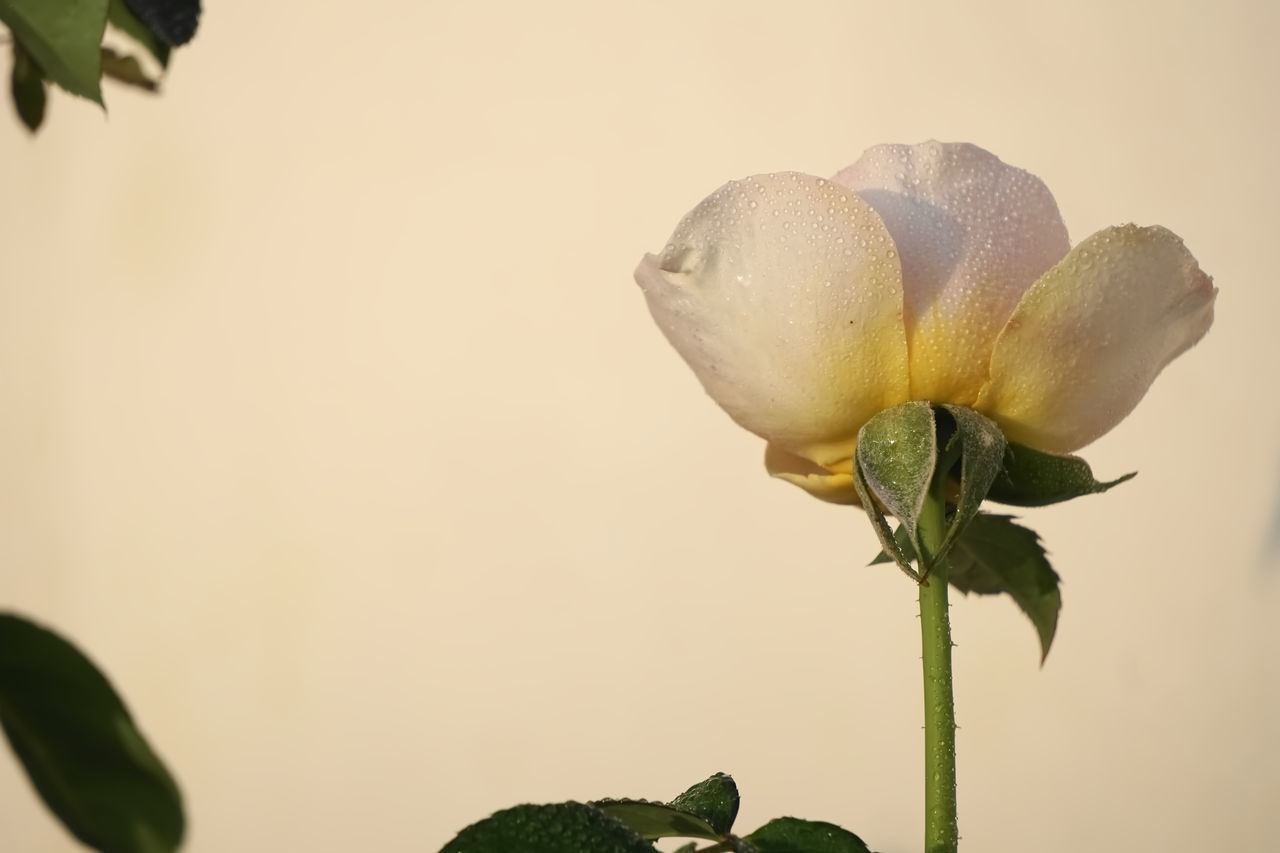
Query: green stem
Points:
[941, 834]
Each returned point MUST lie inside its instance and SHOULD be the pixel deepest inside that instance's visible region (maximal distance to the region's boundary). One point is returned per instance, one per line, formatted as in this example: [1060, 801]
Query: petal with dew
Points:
[974, 233]
[1092, 334]
[783, 292]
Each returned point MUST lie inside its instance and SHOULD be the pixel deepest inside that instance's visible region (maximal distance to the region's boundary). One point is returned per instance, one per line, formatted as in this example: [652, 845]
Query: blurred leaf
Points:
[1032, 478]
[28, 88]
[63, 38]
[123, 19]
[793, 835]
[658, 820]
[997, 556]
[126, 69]
[715, 800]
[559, 828]
[173, 22]
[81, 749]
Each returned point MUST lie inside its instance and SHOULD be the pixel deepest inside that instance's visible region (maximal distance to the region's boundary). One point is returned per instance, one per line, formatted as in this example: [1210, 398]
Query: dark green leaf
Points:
[79, 746]
[715, 800]
[28, 89]
[793, 835]
[558, 828]
[173, 21]
[63, 38]
[994, 555]
[896, 456]
[982, 448]
[127, 70]
[658, 820]
[1033, 478]
[122, 18]
[687, 848]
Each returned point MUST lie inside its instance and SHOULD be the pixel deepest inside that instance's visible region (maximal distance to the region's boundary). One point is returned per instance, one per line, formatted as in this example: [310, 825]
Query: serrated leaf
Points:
[120, 16]
[174, 22]
[982, 448]
[27, 86]
[658, 820]
[81, 749]
[715, 800]
[557, 828]
[1034, 478]
[994, 555]
[63, 38]
[126, 69]
[793, 835]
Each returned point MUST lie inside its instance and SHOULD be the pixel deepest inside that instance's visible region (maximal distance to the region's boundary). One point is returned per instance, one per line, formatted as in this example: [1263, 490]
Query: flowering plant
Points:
[914, 336]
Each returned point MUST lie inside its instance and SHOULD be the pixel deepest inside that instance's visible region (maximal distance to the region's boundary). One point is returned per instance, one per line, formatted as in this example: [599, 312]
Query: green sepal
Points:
[896, 456]
[997, 556]
[63, 38]
[557, 828]
[981, 445]
[902, 543]
[793, 835]
[897, 549]
[27, 85]
[81, 749]
[1034, 478]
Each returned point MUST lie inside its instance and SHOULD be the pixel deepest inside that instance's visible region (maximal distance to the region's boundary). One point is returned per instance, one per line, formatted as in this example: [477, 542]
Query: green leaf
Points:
[559, 828]
[79, 746]
[122, 18]
[896, 456]
[982, 448]
[715, 800]
[658, 820]
[793, 835]
[127, 70]
[28, 88]
[1034, 478]
[997, 556]
[63, 38]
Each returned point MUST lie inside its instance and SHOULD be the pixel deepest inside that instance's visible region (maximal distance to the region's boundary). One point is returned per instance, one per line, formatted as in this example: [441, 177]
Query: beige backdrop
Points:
[335, 428]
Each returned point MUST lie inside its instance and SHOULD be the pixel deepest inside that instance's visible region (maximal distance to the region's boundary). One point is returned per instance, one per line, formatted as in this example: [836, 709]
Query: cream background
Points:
[335, 428]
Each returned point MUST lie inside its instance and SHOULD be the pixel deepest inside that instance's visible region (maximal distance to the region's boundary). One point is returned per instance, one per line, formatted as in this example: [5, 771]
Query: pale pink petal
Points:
[1092, 334]
[973, 234]
[783, 293]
